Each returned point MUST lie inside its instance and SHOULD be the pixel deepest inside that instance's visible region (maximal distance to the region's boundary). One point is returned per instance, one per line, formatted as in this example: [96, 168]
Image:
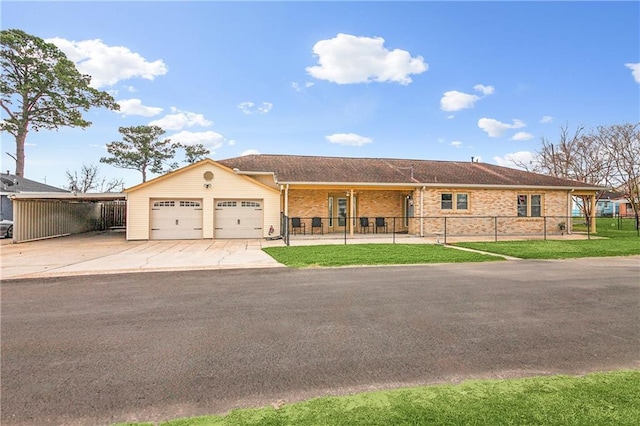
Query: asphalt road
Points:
[114, 348]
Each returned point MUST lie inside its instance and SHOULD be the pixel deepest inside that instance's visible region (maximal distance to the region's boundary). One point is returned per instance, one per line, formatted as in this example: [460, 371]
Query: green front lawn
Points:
[616, 242]
[597, 399]
[371, 254]
[553, 249]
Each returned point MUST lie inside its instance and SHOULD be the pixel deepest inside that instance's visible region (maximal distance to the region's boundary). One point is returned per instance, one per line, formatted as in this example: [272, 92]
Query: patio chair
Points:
[364, 224]
[380, 223]
[298, 225]
[316, 222]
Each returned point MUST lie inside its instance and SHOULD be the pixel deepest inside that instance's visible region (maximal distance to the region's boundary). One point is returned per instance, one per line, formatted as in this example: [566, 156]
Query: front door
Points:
[339, 210]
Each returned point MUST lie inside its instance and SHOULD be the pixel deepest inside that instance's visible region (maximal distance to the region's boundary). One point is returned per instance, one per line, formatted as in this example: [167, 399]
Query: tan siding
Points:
[190, 184]
[266, 180]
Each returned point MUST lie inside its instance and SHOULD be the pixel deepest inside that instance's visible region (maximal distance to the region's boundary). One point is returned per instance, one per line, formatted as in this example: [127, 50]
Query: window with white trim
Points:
[189, 204]
[529, 205]
[164, 204]
[461, 201]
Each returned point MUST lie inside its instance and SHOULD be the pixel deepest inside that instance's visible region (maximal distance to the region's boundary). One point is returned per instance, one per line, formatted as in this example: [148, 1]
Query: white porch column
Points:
[592, 216]
[286, 200]
[352, 214]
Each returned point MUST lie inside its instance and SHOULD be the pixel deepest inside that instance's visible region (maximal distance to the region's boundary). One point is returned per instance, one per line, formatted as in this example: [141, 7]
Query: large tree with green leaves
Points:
[41, 89]
[142, 149]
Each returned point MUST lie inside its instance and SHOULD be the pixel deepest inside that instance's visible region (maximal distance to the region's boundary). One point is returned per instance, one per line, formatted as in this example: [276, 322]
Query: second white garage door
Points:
[238, 219]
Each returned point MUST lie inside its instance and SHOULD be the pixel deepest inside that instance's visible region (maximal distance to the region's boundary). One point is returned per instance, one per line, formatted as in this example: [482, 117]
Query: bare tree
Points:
[577, 156]
[88, 179]
[623, 145]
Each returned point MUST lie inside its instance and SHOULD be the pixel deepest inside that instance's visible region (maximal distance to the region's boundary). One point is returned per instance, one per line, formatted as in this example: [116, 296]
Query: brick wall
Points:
[308, 203]
[491, 203]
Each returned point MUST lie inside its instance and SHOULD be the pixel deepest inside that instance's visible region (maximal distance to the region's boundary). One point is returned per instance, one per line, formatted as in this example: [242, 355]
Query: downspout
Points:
[422, 211]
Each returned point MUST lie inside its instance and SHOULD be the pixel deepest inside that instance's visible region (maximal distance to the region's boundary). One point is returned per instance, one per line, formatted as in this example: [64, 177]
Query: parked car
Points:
[6, 228]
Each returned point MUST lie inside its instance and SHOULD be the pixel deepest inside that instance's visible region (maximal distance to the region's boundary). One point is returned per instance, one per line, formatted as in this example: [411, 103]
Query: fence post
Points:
[287, 230]
[495, 228]
[346, 224]
[445, 230]
[394, 230]
[545, 228]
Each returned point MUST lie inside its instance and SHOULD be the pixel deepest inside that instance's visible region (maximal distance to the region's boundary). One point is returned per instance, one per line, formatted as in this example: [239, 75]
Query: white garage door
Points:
[176, 220]
[238, 219]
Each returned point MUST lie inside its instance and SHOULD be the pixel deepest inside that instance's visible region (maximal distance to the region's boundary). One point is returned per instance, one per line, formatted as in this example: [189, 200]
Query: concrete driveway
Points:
[103, 253]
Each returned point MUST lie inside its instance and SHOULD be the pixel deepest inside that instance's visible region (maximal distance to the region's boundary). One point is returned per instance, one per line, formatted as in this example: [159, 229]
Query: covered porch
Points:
[340, 209]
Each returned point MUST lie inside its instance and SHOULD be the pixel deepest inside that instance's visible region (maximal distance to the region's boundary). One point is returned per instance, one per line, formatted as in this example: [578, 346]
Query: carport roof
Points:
[69, 196]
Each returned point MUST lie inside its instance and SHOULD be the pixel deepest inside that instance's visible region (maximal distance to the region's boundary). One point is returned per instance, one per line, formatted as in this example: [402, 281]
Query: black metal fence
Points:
[441, 228]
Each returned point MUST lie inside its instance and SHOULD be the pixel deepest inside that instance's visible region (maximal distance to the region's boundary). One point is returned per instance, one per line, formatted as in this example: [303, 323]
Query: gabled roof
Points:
[318, 170]
[179, 171]
[13, 183]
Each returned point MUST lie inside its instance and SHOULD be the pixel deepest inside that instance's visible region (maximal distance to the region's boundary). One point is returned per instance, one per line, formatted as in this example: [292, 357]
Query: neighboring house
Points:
[12, 184]
[607, 205]
[244, 197]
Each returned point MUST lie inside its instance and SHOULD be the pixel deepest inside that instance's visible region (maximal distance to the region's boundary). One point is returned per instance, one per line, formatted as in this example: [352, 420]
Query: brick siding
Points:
[307, 203]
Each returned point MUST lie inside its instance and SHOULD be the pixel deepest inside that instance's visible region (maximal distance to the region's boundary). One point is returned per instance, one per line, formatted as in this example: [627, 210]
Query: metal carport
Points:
[39, 215]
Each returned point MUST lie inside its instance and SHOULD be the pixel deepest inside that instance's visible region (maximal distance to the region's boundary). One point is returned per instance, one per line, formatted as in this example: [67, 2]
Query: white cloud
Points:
[181, 119]
[108, 65]
[455, 101]
[522, 136]
[456, 144]
[635, 71]
[249, 107]
[135, 107]
[350, 139]
[485, 90]
[495, 128]
[515, 159]
[546, 119]
[250, 152]
[299, 88]
[348, 59]
[209, 139]
[231, 142]
[450, 116]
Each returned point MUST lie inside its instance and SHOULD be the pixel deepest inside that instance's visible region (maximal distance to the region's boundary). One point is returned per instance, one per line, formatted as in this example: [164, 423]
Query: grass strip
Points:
[371, 254]
[557, 249]
[611, 398]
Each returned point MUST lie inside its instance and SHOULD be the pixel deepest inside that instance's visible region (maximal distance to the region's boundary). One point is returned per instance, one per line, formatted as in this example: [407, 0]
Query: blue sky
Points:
[425, 80]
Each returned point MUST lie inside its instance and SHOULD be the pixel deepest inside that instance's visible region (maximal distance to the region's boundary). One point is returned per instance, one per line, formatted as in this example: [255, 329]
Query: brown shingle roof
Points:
[297, 168]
